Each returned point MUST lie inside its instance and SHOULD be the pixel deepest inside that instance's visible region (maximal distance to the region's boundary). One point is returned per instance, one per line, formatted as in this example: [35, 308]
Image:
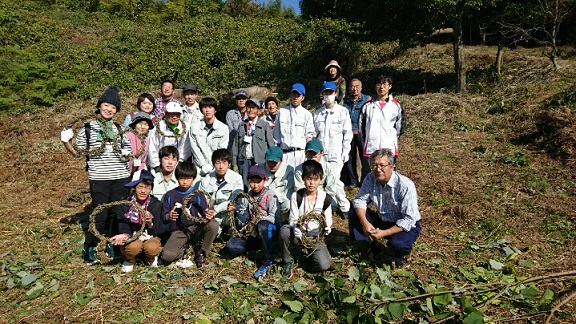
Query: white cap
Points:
[173, 107]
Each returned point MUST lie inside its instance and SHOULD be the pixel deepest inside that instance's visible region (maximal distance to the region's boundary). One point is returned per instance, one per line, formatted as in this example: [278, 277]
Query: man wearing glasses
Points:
[395, 216]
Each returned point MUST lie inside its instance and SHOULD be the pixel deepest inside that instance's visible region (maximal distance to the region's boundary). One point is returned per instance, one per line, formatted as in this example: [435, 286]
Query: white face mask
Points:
[328, 99]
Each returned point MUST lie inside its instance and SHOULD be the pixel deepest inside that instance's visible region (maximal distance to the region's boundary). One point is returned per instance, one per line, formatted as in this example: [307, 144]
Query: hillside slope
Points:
[494, 170]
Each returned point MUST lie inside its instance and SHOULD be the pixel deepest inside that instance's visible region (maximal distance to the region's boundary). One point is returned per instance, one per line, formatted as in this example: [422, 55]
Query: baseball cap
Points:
[274, 154]
[254, 101]
[139, 176]
[173, 107]
[298, 87]
[257, 171]
[241, 93]
[189, 87]
[329, 85]
[314, 145]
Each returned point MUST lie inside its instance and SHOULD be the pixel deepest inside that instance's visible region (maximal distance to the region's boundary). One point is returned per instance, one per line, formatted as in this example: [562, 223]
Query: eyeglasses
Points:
[379, 166]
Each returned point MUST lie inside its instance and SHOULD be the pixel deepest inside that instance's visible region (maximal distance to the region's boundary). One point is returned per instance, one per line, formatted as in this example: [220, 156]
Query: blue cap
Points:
[329, 85]
[189, 87]
[314, 145]
[274, 154]
[139, 176]
[298, 87]
[257, 171]
[241, 93]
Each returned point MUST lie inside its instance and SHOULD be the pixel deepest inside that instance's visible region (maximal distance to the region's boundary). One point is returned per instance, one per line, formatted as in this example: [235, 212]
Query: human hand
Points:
[148, 220]
[207, 168]
[66, 135]
[368, 228]
[230, 207]
[210, 213]
[297, 233]
[119, 239]
[173, 214]
[327, 230]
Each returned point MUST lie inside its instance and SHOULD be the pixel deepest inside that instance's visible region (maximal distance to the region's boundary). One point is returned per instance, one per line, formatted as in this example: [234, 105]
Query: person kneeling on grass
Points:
[303, 202]
[266, 227]
[396, 218]
[184, 231]
[130, 222]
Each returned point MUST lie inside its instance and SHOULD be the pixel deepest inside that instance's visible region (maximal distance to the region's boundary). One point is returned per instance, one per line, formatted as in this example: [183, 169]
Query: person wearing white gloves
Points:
[206, 136]
[106, 162]
[303, 202]
[333, 129]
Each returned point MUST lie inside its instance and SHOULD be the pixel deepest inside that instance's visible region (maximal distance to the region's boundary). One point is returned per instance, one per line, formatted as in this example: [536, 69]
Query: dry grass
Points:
[467, 196]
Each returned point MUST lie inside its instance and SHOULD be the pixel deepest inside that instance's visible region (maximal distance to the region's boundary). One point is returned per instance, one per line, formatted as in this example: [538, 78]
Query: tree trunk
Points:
[459, 55]
[500, 55]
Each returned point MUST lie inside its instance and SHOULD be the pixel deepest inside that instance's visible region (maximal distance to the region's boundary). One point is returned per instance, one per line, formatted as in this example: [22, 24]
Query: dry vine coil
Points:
[249, 227]
[101, 207]
[141, 137]
[316, 215]
[159, 131]
[186, 211]
[100, 149]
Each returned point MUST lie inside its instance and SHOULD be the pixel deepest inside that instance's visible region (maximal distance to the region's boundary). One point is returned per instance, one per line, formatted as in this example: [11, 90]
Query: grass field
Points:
[495, 172]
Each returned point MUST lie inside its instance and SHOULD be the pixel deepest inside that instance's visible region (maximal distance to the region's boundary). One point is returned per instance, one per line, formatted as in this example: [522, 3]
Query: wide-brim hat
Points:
[141, 116]
[333, 63]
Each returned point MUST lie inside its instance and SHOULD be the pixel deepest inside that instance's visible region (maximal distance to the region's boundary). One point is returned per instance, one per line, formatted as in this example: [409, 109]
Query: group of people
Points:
[175, 163]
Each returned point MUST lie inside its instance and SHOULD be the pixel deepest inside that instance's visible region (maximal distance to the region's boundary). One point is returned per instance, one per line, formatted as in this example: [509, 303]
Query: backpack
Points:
[87, 128]
[300, 197]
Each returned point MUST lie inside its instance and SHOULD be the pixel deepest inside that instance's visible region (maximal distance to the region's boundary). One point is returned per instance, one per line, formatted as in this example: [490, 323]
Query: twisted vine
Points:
[92, 227]
[159, 131]
[316, 215]
[100, 149]
[186, 211]
[248, 228]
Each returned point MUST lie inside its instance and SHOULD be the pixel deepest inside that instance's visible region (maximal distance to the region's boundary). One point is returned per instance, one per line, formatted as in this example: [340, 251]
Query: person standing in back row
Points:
[334, 73]
[381, 122]
[166, 96]
[294, 127]
[354, 105]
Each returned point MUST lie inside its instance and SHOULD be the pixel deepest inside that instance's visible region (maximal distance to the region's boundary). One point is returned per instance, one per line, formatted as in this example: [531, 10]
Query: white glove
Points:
[328, 230]
[207, 168]
[125, 151]
[66, 135]
[297, 233]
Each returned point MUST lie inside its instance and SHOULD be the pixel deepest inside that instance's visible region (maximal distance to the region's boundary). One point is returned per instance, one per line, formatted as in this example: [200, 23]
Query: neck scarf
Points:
[174, 128]
[106, 131]
[132, 215]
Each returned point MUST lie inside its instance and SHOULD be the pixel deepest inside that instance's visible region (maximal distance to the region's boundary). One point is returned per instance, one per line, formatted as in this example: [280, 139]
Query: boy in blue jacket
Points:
[183, 231]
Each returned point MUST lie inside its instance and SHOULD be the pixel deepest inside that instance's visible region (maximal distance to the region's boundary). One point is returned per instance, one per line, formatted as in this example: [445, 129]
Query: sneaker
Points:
[127, 267]
[287, 269]
[110, 250]
[200, 259]
[262, 270]
[89, 255]
[154, 263]
[184, 263]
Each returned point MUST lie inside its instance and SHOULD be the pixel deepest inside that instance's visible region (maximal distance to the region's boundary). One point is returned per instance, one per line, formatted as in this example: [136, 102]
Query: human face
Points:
[209, 112]
[190, 97]
[221, 167]
[172, 117]
[241, 103]
[272, 108]
[146, 106]
[167, 90]
[355, 88]
[382, 89]
[107, 110]
[185, 183]
[256, 184]
[311, 155]
[142, 127]
[168, 163]
[252, 110]
[381, 169]
[311, 183]
[142, 192]
[296, 99]
[332, 71]
[273, 166]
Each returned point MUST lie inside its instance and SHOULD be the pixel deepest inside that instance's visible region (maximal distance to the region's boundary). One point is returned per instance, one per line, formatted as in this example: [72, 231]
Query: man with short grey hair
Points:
[394, 197]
